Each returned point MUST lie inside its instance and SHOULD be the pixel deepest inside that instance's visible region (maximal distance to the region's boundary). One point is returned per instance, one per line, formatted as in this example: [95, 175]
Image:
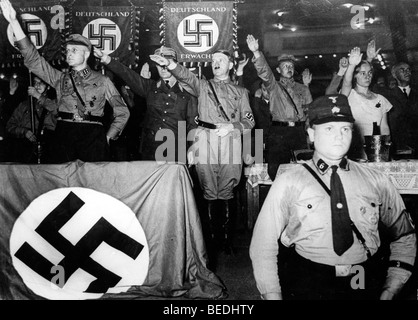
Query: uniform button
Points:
[159, 128]
[165, 111]
[339, 205]
[163, 120]
[309, 206]
[169, 95]
[166, 103]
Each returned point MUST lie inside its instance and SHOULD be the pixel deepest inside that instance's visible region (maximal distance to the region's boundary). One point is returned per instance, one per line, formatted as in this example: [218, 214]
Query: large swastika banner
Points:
[111, 230]
[43, 23]
[197, 29]
[108, 28]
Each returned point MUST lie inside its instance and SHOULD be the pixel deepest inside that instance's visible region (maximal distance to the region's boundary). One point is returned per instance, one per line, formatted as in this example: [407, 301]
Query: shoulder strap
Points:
[353, 226]
[317, 178]
[217, 101]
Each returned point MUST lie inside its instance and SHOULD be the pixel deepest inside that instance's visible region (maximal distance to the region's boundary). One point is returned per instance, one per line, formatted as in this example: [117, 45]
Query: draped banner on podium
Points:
[118, 230]
[43, 22]
[197, 29]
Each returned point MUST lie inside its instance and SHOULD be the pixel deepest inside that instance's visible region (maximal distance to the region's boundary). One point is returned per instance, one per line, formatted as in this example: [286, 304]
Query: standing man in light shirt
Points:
[224, 115]
[81, 97]
[299, 212]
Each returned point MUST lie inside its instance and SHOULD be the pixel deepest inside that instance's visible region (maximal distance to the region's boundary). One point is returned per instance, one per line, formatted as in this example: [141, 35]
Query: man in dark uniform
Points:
[81, 96]
[334, 215]
[403, 117]
[171, 110]
[288, 103]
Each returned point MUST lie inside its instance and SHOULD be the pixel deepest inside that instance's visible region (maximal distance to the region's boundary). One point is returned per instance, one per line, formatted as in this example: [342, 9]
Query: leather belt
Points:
[288, 123]
[205, 124]
[77, 118]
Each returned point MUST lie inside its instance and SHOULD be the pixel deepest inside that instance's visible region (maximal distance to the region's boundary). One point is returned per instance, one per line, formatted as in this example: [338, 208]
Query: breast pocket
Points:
[310, 211]
[369, 210]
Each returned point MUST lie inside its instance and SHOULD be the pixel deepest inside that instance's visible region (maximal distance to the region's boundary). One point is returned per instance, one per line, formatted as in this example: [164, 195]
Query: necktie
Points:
[404, 92]
[342, 234]
[167, 83]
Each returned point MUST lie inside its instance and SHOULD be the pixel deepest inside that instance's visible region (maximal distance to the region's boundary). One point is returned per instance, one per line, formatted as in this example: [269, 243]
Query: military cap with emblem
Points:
[166, 52]
[286, 57]
[78, 39]
[330, 108]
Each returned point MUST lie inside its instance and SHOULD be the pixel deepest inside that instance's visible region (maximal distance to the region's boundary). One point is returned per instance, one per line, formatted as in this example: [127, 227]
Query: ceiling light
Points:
[347, 5]
[280, 13]
[306, 57]
[293, 29]
[320, 55]
[280, 26]
[334, 55]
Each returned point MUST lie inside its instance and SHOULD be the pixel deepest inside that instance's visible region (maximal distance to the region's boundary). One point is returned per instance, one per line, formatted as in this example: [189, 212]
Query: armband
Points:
[400, 264]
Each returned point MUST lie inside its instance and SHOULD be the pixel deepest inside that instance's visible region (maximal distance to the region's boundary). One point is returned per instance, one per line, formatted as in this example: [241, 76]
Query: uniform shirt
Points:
[20, 121]
[233, 98]
[297, 211]
[165, 106]
[281, 106]
[93, 87]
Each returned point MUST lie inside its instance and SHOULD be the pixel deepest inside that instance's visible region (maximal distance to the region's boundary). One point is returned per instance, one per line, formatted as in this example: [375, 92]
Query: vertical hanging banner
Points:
[197, 29]
[110, 29]
[43, 23]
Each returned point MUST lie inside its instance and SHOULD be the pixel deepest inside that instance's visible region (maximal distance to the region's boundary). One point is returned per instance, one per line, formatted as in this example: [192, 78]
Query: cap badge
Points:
[335, 110]
[334, 99]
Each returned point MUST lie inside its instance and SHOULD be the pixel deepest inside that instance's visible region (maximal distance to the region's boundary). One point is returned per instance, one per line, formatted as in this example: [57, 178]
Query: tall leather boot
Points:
[212, 240]
[228, 225]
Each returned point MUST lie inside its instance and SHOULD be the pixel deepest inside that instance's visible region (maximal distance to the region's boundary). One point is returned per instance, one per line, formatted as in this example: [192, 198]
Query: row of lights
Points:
[4, 77]
[379, 58]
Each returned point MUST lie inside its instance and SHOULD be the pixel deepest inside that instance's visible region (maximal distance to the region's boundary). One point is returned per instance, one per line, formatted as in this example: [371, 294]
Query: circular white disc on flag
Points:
[77, 243]
[198, 33]
[103, 34]
[35, 30]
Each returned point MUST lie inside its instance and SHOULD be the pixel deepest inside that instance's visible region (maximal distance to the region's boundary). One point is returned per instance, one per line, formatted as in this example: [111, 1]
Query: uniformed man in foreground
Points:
[333, 214]
[81, 95]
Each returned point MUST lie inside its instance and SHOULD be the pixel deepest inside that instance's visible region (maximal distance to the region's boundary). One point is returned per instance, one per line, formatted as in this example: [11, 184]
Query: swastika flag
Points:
[197, 29]
[111, 230]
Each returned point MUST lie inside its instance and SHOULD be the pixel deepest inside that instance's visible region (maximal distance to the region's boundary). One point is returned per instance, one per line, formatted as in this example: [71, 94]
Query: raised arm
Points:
[371, 51]
[9, 14]
[353, 61]
[336, 79]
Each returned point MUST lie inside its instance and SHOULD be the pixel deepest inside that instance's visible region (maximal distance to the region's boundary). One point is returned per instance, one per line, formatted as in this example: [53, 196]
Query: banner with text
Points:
[43, 23]
[197, 29]
[110, 29]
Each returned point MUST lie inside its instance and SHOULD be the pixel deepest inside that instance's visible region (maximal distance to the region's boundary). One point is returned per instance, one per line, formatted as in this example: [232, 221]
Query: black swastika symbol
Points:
[33, 33]
[102, 37]
[78, 256]
[198, 33]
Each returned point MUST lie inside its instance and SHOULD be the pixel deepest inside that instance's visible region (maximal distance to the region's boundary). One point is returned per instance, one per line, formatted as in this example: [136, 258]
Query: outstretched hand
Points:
[371, 50]
[252, 43]
[355, 56]
[159, 60]
[104, 58]
[306, 77]
[145, 73]
[9, 12]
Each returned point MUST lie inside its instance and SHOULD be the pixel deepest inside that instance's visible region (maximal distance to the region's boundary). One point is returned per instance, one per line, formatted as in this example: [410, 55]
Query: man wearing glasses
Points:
[81, 94]
[403, 117]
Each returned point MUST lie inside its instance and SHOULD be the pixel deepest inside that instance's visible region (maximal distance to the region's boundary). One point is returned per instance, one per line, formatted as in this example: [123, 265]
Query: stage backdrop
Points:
[197, 29]
[121, 230]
